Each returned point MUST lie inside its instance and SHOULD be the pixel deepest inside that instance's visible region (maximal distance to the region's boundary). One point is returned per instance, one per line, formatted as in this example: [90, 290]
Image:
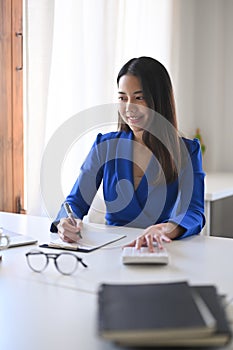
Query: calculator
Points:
[131, 255]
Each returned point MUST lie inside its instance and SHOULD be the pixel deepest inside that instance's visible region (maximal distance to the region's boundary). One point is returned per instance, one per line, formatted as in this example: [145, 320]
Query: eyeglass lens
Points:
[66, 263]
[37, 261]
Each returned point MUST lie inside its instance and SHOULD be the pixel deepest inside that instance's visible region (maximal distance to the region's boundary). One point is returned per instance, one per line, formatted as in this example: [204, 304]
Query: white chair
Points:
[97, 210]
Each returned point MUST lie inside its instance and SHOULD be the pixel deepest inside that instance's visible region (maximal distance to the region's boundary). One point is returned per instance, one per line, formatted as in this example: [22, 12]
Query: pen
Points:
[70, 214]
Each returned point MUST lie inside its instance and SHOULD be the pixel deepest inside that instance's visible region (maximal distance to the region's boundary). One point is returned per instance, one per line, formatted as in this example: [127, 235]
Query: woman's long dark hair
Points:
[158, 93]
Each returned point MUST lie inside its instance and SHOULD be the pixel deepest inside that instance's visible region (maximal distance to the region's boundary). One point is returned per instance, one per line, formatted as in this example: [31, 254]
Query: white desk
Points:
[50, 311]
[217, 186]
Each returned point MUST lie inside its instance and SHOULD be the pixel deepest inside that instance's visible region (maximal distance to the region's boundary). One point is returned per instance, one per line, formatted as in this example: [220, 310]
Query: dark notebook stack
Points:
[164, 314]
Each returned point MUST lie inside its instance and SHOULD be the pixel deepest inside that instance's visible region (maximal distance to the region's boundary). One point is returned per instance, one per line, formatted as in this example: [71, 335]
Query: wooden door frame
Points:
[11, 106]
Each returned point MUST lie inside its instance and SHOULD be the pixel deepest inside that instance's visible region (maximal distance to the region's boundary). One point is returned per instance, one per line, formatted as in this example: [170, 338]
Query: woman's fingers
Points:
[68, 232]
[151, 234]
[165, 238]
[149, 241]
[139, 242]
[131, 244]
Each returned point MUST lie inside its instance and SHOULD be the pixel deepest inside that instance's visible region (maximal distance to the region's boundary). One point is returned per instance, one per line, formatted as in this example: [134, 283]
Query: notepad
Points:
[92, 239]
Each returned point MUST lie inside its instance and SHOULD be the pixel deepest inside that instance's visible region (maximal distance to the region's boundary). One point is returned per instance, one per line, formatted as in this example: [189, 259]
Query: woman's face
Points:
[132, 105]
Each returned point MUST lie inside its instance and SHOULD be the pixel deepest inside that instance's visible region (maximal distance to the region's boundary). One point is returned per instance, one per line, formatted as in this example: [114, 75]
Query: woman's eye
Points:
[140, 98]
[121, 98]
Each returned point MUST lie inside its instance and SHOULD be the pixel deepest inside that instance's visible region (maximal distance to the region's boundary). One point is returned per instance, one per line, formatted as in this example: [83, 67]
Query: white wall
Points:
[203, 75]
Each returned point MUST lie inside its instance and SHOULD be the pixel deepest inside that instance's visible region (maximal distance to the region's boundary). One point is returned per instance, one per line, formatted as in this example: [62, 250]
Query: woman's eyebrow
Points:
[135, 92]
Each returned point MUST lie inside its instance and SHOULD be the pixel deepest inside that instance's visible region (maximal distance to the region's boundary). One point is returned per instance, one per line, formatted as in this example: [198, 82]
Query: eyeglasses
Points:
[66, 263]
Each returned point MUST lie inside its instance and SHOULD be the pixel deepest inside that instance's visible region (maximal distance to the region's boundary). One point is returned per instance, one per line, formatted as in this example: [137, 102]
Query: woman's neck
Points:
[138, 137]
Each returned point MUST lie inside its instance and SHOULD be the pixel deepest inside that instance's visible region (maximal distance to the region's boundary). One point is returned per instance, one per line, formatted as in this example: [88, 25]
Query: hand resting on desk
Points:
[68, 232]
[159, 233]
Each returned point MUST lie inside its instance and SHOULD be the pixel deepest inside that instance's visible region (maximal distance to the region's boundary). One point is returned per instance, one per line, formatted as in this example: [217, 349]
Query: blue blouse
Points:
[110, 160]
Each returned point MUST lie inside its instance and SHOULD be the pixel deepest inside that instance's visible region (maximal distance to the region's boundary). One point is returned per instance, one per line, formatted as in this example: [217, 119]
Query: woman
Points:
[152, 177]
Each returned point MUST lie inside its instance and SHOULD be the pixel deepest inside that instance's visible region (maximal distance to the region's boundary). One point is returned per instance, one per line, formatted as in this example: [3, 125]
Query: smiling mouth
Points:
[134, 119]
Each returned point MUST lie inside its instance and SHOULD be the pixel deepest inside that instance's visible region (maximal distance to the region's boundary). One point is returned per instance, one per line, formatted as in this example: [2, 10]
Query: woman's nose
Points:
[130, 107]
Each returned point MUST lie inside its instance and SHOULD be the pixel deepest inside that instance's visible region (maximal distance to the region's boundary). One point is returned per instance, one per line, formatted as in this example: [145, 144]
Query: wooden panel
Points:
[17, 104]
[11, 105]
[6, 179]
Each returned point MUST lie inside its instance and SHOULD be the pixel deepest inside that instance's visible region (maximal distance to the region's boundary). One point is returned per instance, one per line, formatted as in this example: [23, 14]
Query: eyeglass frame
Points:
[53, 256]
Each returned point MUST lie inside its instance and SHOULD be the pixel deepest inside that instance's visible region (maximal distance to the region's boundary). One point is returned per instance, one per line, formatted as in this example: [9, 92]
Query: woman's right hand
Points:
[68, 232]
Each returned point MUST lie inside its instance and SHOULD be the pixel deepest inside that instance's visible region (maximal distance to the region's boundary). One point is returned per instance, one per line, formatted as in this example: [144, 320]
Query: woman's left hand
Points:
[158, 233]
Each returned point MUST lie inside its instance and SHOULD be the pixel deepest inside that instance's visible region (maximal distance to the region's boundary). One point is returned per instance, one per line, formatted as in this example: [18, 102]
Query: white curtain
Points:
[75, 49]
[91, 41]
[38, 34]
